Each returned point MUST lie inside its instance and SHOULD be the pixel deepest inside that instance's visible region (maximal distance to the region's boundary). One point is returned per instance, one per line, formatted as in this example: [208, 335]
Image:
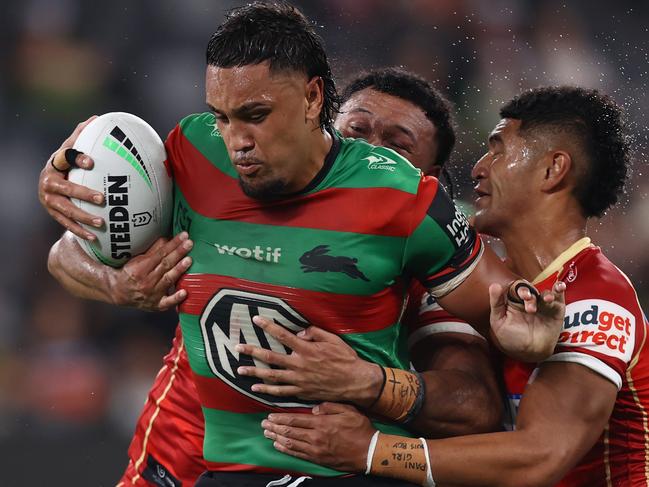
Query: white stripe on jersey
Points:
[441, 327]
[591, 362]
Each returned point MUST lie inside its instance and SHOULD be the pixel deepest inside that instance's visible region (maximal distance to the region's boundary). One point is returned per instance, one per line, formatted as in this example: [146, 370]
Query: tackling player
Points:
[272, 105]
[560, 156]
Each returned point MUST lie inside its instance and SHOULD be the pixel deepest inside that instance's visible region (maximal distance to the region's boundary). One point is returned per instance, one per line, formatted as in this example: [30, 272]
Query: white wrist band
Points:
[370, 452]
[429, 473]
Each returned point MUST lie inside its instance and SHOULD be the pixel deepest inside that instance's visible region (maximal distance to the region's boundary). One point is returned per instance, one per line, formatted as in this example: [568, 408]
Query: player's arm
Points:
[143, 282]
[562, 414]
[449, 258]
[462, 395]
[455, 393]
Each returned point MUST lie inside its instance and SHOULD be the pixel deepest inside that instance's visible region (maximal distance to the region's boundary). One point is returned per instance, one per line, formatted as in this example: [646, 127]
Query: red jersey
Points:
[167, 448]
[604, 330]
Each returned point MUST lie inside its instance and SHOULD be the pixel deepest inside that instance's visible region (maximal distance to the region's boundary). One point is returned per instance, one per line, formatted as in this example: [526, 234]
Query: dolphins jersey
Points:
[605, 330]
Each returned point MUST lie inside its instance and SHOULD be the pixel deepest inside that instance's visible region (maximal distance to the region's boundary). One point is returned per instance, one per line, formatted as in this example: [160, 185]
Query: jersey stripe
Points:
[294, 257]
[328, 209]
[344, 313]
[216, 394]
[233, 438]
[607, 454]
[386, 347]
[442, 327]
[591, 362]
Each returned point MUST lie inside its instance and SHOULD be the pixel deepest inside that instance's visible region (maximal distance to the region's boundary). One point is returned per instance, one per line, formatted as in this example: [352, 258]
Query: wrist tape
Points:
[400, 458]
[401, 396]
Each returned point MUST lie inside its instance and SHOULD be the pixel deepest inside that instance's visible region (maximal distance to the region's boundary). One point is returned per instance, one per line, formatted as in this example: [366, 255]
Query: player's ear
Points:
[557, 166]
[314, 99]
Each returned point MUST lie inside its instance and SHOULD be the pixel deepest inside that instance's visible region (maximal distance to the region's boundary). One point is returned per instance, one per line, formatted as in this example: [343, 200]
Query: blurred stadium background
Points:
[74, 375]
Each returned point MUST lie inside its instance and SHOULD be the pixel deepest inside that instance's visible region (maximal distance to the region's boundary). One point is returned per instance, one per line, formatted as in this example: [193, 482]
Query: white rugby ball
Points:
[129, 170]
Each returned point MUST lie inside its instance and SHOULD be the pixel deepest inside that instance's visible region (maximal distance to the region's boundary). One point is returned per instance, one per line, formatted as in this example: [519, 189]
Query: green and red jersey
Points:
[338, 254]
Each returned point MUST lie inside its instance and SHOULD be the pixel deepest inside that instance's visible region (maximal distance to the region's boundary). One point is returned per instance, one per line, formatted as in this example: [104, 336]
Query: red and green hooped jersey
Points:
[337, 255]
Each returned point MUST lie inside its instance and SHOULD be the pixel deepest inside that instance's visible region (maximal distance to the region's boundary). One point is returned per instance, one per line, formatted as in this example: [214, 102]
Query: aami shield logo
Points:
[226, 321]
[601, 326]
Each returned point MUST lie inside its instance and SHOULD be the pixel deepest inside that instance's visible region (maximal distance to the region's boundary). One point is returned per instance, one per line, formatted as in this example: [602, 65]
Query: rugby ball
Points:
[129, 170]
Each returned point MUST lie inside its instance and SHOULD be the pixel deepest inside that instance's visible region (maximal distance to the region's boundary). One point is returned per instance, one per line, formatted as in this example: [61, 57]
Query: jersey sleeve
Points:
[172, 147]
[603, 327]
[442, 249]
[424, 317]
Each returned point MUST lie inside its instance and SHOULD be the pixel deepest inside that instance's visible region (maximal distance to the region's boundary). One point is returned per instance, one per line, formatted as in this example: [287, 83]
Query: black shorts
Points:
[223, 479]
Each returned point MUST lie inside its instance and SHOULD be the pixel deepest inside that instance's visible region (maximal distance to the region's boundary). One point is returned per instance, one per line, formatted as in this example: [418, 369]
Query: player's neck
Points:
[539, 239]
[320, 146]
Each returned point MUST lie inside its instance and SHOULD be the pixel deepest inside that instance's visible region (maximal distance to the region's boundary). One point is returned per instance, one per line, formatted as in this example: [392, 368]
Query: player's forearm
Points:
[438, 403]
[515, 459]
[77, 272]
[457, 403]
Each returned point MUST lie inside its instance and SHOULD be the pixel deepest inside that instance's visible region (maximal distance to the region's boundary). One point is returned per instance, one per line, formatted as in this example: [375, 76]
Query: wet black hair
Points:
[279, 33]
[595, 122]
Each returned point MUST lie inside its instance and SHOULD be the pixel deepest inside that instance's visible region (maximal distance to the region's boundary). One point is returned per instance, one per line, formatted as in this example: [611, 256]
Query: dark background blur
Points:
[74, 375]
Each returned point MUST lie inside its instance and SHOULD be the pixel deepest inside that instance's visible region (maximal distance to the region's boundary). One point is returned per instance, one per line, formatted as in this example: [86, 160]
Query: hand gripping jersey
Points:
[334, 255]
[172, 415]
[604, 330]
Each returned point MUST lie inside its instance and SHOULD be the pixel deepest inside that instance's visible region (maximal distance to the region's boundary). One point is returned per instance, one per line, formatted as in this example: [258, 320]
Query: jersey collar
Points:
[558, 263]
[326, 167]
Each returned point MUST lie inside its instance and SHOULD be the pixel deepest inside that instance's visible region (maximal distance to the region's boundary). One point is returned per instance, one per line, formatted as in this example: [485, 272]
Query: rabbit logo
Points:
[317, 260]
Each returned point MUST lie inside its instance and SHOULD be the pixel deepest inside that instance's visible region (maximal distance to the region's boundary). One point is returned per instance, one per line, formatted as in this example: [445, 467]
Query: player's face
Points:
[266, 120]
[504, 179]
[393, 122]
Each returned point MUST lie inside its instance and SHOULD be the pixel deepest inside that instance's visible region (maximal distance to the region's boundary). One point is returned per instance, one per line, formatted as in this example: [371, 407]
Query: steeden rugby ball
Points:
[129, 170]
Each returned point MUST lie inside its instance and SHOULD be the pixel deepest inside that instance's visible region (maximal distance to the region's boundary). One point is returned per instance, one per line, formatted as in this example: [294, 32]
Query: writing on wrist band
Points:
[400, 458]
[401, 397]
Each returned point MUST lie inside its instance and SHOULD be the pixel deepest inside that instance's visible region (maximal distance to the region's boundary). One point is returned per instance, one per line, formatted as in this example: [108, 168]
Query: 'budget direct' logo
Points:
[601, 326]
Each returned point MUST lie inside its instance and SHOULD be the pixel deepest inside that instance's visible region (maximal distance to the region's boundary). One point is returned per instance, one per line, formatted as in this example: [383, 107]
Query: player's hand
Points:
[321, 367]
[55, 191]
[334, 435]
[527, 330]
[147, 280]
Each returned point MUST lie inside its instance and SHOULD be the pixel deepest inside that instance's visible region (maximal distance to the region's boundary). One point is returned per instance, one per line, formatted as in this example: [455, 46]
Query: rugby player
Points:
[286, 181]
[558, 155]
[391, 108]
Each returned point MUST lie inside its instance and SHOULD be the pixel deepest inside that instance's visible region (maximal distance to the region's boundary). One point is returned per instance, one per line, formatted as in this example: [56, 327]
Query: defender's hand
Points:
[55, 191]
[321, 367]
[145, 281]
[529, 330]
[334, 435]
